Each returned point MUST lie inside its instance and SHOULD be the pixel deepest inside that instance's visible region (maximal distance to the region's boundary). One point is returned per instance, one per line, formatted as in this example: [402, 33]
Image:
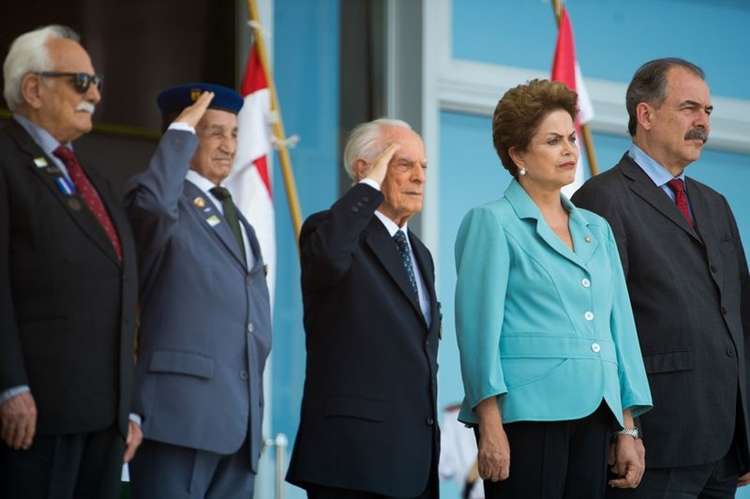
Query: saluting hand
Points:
[376, 171]
[191, 115]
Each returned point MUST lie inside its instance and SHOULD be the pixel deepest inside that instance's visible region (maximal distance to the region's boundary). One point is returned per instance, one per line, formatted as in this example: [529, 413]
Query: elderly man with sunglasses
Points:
[68, 285]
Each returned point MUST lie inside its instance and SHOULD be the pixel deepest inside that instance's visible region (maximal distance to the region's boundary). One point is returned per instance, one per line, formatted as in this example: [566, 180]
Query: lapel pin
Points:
[199, 202]
[74, 204]
[40, 162]
[587, 239]
[213, 220]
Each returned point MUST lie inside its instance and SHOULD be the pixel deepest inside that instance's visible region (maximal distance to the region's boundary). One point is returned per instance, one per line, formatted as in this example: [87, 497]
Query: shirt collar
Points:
[391, 226]
[656, 172]
[42, 137]
[200, 181]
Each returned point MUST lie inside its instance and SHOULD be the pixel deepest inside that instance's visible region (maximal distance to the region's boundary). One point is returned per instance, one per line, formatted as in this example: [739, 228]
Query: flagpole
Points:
[278, 126]
[588, 139]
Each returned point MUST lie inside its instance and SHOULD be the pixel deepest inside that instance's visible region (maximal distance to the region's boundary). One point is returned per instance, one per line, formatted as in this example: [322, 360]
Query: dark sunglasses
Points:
[81, 81]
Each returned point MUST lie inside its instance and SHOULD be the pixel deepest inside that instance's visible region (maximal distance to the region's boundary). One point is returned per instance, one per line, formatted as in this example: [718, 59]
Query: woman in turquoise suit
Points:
[549, 353]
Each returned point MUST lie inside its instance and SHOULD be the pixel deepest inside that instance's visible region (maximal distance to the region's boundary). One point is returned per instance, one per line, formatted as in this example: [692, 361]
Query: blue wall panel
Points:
[307, 75]
[612, 37]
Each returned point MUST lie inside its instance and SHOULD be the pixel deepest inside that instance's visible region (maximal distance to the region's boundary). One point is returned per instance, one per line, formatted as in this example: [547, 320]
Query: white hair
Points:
[28, 54]
[366, 141]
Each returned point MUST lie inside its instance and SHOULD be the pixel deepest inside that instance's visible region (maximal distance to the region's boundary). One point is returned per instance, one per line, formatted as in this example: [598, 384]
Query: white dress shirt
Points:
[391, 227]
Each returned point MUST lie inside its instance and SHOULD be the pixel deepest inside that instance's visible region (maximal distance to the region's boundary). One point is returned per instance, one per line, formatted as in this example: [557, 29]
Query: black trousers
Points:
[556, 459]
[79, 466]
[716, 480]
[432, 491]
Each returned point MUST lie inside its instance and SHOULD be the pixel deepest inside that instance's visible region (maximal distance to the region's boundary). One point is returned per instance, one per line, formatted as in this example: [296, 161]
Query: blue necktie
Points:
[403, 249]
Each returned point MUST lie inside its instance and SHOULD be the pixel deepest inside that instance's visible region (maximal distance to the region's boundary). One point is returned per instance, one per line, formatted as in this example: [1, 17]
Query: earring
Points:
[522, 171]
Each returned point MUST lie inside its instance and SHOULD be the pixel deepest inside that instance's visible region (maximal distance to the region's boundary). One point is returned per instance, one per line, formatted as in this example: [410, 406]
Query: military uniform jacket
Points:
[205, 318]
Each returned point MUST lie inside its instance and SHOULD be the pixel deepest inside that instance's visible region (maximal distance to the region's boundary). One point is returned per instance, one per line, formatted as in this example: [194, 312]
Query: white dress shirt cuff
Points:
[135, 418]
[12, 392]
[179, 125]
[371, 183]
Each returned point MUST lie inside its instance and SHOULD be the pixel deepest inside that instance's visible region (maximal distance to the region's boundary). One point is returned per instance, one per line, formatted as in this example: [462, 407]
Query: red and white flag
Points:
[250, 180]
[565, 69]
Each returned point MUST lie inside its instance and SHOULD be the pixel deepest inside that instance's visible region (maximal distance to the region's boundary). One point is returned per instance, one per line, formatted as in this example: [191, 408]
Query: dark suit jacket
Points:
[67, 306]
[686, 289]
[368, 413]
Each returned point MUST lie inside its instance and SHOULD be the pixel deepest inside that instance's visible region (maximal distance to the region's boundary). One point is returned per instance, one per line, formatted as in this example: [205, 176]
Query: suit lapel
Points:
[645, 188]
[212, 219]
[385, 250]
[704, 223]
[422, 255]
[526, 209]
[252, 239]
[73, 204]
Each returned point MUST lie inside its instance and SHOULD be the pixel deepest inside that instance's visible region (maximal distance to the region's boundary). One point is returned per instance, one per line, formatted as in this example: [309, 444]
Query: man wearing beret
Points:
[205, 315]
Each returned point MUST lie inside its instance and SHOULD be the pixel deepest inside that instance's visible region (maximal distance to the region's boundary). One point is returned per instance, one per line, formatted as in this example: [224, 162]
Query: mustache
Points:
[86, 106]
[697, 133]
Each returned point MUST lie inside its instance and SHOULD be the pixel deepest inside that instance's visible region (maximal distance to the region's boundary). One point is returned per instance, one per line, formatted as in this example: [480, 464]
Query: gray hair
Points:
[366, 141]
[649, 84]
[28, 54]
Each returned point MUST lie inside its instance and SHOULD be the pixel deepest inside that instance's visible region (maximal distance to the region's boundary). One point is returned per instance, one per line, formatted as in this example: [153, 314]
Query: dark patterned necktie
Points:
[403, 249]
[680, 199]
[230, 215]
[89, 195]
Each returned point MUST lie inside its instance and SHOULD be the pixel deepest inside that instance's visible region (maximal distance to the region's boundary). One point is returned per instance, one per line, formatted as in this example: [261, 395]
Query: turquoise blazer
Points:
[548, 330]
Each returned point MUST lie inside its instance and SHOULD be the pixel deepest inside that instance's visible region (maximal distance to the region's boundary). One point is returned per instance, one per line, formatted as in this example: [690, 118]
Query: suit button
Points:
[429, 421]
[250, 328]
[355, 209]
[730, 351]
[366, 199]
[585, 283]
[243, 375]
[589, 316]
[724, 310]
[427, 343]
[595, 347]
[713, 268]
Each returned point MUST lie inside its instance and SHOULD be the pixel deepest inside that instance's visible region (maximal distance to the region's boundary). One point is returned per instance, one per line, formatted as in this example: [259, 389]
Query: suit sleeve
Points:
[744, 286]
[593, 198]
[634, 389]
[329, 240]
[152, 197]
[482, 266]
[12, 368]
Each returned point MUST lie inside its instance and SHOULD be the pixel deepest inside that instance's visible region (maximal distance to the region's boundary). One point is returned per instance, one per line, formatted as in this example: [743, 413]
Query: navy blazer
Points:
[369, 418]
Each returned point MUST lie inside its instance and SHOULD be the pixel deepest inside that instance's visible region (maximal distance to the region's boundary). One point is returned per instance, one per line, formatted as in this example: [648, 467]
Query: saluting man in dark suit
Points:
[368, 427]
[686, 271]
[68, 287]
[205, 315]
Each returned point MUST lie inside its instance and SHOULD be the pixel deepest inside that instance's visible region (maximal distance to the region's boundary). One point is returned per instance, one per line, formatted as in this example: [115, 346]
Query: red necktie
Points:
[680, 199]
[89, 195]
